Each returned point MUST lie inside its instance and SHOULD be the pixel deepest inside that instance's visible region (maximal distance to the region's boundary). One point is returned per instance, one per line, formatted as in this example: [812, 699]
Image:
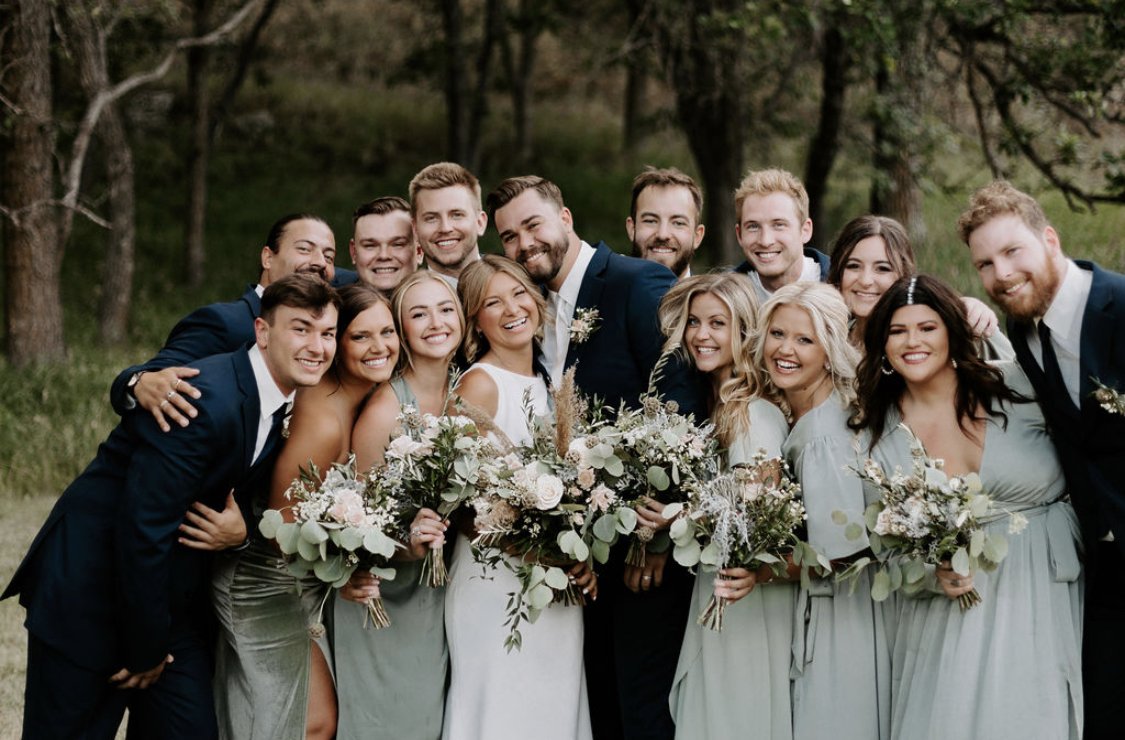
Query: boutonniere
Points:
[584, 323]
[1109, 399]
[286, 419]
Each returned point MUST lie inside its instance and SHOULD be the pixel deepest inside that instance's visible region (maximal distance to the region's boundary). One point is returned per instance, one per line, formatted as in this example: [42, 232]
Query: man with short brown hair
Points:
[664, 218]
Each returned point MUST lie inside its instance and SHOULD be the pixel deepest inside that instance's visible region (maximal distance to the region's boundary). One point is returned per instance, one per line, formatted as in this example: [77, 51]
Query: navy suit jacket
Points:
[105, 581]
[1089, 439]
[822, 260]
[206, 331]
[615, 362]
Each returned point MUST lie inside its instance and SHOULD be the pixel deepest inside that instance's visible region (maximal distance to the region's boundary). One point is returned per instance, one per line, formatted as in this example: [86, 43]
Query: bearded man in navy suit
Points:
[1066, 321]
[117, 610]
[634, 630]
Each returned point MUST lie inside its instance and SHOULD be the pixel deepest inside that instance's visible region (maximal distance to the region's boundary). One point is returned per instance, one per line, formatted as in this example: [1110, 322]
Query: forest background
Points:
[146, 146]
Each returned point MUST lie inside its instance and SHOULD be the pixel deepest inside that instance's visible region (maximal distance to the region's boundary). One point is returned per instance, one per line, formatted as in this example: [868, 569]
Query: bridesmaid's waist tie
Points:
[1063, 534]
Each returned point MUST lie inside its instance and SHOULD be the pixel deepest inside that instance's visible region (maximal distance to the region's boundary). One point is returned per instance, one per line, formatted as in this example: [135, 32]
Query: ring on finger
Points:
[415, 532]
[163, 404]
[646, 578]
[177, 384]
[169, 394]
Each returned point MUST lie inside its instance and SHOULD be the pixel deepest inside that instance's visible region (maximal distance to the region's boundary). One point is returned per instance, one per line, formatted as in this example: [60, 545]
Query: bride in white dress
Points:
[540, 690]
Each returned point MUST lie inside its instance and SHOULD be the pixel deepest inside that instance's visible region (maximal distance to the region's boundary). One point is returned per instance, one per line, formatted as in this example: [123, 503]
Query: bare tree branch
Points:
[982, 123]
[81, 145]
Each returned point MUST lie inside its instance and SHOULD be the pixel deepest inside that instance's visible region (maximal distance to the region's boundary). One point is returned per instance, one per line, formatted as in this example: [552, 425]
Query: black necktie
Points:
[1051, 371]
[277, 431]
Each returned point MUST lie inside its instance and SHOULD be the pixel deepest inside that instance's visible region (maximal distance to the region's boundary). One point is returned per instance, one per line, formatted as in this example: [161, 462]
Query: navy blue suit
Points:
[1091, 446]
[632, 640]
[105, 583]
[822, 260]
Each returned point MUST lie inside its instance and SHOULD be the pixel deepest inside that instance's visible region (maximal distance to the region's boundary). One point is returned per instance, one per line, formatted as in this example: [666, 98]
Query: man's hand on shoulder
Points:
[164, 394]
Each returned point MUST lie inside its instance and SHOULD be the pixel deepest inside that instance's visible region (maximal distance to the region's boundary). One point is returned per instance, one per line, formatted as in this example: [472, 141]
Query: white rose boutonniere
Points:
[585, 322]
[1109, 399]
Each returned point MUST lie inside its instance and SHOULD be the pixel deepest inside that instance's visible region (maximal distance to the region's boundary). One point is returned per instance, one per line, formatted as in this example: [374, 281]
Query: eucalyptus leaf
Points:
[311, 531]
[853, 531]
[711, 555]
[308, 550]
[374, 541]
[976, 543]
[687, 554]
[605, 528]
[271, 520]
[626, 520]
[614, 466]
[600, 551]
[539, 597]
[329, 570]
[960, 561]
[537, 574]
[556, 578]
[996, 547]
[288, 535]
[839, 517]
[880, 586]
[657, 478]
[387, 574]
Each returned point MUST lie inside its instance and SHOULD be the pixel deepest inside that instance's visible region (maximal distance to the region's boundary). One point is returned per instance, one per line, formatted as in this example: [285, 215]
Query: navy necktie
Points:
[1051, 371]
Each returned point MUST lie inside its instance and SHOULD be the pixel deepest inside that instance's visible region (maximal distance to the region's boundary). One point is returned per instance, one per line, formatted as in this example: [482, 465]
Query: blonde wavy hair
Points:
[730, 406]
[472, 286]
[398, 303]
[829, 314]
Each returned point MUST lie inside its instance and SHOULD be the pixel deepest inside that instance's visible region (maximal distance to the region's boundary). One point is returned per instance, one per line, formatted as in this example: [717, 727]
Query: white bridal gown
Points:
[540, 690]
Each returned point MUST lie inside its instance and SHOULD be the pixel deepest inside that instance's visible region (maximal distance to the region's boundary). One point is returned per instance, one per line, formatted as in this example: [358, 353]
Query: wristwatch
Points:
[131, 389]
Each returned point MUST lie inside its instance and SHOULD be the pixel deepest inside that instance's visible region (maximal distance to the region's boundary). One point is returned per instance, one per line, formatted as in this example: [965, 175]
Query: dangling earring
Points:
[885, 368]
[954, 361]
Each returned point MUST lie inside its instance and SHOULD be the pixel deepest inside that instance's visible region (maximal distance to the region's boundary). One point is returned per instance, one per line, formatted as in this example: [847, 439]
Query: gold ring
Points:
[177, 384]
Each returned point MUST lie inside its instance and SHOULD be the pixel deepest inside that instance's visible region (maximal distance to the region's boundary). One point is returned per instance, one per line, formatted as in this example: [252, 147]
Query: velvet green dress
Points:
[841, 655]
[735, 683]
[391, 683]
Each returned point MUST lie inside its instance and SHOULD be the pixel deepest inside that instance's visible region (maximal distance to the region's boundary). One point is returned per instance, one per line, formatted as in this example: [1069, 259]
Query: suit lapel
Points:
[1096, 346]
[250, 404]
[590, 293]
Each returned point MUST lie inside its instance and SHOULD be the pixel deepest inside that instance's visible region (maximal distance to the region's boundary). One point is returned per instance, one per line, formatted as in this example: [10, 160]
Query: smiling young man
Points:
[1066, 320]
[383, 247]
[117, 610]
[634, 630]
[664, 219]
[448, 219]
[773, 227]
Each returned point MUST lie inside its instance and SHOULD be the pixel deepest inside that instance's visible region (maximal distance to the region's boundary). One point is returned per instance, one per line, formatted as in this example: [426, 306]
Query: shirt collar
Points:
[270, 396]
[259, 289]
[568, 291]
[1064, 317]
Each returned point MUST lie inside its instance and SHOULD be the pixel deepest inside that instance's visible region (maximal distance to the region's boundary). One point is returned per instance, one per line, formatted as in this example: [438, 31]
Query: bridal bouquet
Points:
[530, 507]
[745, 518]
[433, 463]
[663, 455]
[337, 527]
[926, 518]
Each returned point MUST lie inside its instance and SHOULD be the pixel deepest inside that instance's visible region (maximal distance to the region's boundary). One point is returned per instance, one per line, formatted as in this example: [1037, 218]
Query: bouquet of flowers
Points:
[337, 527]
[432, 463]
[530, 507]
[746, 518]
[661, 454]
[926, 518]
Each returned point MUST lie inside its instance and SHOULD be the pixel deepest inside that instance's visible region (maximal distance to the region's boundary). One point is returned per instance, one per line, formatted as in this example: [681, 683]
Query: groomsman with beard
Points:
[1066, 320]
[633, 634]
[664, 219]
[448, 219]
[117, 611]
[383, 247]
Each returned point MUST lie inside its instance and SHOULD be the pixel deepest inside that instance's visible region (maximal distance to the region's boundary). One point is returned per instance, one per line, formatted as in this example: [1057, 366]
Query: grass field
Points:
[51, 419]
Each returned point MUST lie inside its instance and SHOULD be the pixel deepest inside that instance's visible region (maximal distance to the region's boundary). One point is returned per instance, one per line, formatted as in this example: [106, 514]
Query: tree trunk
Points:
[826, 142]
[456, 97]
[493, 28]
[33, 317]
[199, 149]
[117, 273]
[529, 24]
[242, 66]
[636, 82]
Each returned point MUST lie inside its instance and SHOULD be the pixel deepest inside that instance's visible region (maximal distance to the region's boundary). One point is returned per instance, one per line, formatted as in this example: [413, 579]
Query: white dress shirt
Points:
[1064, 319]
[810, 273]
[270, 399]
[556, 333]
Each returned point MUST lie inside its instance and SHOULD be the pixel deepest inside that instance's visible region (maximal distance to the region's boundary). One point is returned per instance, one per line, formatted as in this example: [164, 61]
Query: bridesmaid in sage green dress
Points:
[841, 659]
[712, 319]
[1010, 666]
[271, 679]
[391, 682]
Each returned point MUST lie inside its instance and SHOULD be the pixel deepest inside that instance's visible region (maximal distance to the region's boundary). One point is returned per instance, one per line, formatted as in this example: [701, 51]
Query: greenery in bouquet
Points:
[926, 518]
[649, 452]
[433, 462]
[531, 514]
[336, 528]
[748, 517]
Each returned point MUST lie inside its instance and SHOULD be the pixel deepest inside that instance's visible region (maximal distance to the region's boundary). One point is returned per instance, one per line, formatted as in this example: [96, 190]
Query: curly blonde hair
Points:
[730, 406]
[829, 314]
